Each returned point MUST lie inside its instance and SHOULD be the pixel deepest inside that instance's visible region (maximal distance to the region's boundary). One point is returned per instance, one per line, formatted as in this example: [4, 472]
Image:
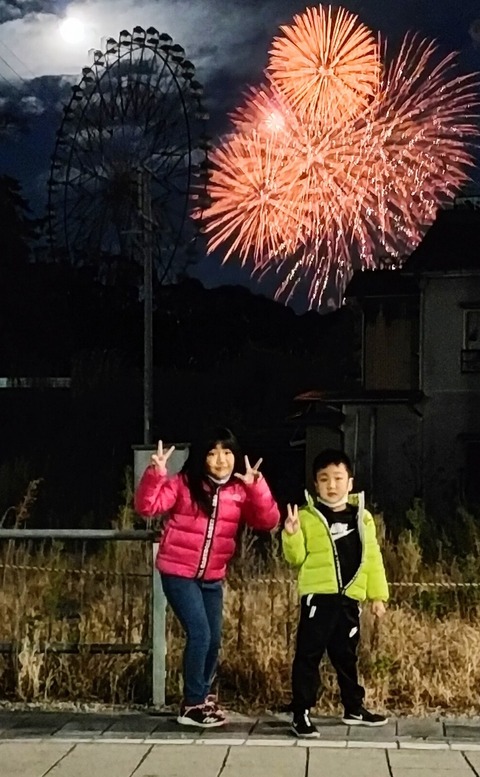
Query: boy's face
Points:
[333, 483]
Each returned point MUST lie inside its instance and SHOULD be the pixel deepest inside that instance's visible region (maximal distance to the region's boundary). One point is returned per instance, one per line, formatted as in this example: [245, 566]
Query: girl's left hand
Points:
[252, 474]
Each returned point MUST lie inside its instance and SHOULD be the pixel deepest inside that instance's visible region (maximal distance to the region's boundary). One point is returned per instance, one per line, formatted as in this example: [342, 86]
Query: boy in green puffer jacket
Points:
[332, 540]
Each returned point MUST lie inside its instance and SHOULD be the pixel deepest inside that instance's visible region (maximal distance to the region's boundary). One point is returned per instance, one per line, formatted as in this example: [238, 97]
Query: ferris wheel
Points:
[130, 156]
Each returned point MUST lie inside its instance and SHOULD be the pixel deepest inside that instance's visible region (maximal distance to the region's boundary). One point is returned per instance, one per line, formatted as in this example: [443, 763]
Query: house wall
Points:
[452, 405]
[317, 438]
[384, 441]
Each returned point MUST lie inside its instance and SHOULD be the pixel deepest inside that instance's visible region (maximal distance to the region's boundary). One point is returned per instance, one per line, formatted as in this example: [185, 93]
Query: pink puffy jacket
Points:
[194, 544]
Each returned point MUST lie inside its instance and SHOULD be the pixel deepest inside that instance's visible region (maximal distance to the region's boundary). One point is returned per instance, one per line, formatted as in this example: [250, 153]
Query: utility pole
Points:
[145, 216]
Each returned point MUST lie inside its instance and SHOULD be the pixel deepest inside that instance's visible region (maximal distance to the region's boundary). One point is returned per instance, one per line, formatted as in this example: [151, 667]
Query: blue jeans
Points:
[198, 606]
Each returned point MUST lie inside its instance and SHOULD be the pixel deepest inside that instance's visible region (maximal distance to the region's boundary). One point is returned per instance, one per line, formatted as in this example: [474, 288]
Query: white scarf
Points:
[219, 481]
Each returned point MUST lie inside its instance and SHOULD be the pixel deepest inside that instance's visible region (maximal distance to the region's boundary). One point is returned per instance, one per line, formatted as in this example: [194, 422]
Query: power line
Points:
[24, 64]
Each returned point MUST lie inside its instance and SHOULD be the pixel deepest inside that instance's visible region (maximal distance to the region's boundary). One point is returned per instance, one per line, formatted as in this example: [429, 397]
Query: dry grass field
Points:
[423, 657]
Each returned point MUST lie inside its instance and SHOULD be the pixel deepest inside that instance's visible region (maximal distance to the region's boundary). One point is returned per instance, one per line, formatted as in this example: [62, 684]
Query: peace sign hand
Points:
[252, 474]
[292, 522]
[160, 458]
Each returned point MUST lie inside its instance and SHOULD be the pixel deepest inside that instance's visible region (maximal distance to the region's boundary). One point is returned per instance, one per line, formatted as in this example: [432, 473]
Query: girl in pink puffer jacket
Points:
[205, 503]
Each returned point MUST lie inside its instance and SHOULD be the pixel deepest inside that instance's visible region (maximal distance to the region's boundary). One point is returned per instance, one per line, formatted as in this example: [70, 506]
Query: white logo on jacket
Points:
[340, 530]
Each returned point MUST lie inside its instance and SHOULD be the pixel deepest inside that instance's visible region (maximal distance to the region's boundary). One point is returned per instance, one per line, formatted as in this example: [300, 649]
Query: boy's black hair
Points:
[331, 456]
[194, 468]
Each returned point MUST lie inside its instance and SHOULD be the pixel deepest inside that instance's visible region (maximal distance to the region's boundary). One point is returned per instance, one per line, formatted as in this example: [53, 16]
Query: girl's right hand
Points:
[160, 458]
[292, 522]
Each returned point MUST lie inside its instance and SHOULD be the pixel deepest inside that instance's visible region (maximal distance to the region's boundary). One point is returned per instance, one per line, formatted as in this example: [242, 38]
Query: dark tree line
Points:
[222, 354]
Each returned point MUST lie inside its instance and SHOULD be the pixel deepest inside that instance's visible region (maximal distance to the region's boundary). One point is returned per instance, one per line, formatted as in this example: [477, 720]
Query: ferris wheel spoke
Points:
[162, 109]
[134, 112]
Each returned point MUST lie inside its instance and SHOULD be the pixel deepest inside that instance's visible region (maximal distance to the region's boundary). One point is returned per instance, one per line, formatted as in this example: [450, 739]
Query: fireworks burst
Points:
[326, 64]
[293, 188]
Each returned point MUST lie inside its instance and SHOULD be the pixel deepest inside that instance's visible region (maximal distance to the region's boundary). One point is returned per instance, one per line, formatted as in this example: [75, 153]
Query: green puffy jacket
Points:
[313, 550]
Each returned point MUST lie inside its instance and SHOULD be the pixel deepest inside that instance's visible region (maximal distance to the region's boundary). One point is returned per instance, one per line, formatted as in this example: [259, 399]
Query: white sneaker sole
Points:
[353, 722]
[313, 735]
[189, 722]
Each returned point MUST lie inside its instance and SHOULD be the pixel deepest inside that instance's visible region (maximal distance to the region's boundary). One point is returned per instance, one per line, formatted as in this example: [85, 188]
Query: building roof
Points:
[360, 396]
[451, 243]
[381, 283]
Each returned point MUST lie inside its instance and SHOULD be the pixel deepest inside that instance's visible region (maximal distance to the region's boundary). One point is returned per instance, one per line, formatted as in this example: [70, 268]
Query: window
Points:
[472, 472]
[471, 341]
[471, 330]
[391, 344]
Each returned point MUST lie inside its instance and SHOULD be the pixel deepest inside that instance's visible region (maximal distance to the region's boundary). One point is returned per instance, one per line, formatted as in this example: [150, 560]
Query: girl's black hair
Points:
[201, 489]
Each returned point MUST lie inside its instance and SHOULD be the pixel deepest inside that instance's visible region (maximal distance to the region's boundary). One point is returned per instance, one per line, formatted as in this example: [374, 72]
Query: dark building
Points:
[412, 423]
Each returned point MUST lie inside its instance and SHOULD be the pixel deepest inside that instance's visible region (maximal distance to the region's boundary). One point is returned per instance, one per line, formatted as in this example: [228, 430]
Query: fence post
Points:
[175, 463]
[159, 642]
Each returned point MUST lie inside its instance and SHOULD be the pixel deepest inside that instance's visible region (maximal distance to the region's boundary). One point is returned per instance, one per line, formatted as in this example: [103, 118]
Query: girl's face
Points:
[220, 462]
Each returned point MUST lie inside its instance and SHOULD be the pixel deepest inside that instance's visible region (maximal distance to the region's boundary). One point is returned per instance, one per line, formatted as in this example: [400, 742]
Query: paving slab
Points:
[85, 723]
[131, 727]
[343, 763]
[33, 725]
[425, 771]
[473, 758]
[420, 759]
[94, 758]
[30, 761]
[179, 761]
[373, 734]
[463, 732]
[258, 761]
[230, 731]
[270, 728]
[420, 728]
[168, 728]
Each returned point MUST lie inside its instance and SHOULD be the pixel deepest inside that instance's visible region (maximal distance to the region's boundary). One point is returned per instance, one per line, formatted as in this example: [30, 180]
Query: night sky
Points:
[228, 41]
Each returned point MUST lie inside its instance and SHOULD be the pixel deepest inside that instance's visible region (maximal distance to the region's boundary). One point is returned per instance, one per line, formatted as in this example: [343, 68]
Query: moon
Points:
[72, 30]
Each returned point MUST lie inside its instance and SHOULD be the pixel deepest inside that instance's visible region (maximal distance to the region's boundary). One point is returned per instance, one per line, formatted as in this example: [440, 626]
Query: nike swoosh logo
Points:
[342, 534]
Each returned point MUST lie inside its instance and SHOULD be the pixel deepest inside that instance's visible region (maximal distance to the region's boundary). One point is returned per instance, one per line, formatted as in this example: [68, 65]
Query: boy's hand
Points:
[292, 522]
[160, 458]
[378, 609]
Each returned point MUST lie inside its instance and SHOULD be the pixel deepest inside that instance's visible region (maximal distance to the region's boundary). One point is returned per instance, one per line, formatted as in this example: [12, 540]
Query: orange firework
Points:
[326, 64]
[292, 188]
[249, 181]
[314, 171]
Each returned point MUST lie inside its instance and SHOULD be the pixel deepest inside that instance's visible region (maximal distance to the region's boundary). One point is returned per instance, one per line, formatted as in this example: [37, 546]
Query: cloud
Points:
[215, 34]
[17, 9]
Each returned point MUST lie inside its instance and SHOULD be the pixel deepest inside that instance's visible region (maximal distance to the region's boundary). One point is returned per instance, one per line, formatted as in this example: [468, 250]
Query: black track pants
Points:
[331, 624]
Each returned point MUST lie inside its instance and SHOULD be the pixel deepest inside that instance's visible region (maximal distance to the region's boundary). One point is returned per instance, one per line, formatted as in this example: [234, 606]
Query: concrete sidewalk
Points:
[41, 744]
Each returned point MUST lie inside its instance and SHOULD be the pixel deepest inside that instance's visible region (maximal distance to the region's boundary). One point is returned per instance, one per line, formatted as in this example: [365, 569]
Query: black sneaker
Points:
[303, 727]
[363, 717]
[202, 716]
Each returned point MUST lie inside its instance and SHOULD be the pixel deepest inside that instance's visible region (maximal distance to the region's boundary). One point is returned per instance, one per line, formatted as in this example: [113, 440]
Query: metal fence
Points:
[156, 644]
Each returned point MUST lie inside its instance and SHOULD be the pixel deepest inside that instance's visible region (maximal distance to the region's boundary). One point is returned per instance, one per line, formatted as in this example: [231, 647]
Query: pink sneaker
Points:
[211, 702]
[201, 715]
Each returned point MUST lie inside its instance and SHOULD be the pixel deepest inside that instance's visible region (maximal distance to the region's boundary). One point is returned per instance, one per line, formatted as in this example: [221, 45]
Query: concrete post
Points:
[175, 463]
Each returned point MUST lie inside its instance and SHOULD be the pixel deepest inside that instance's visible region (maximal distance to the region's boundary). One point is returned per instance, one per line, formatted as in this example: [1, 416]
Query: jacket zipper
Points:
[361, 531]
[208, 536]
[335, 554]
